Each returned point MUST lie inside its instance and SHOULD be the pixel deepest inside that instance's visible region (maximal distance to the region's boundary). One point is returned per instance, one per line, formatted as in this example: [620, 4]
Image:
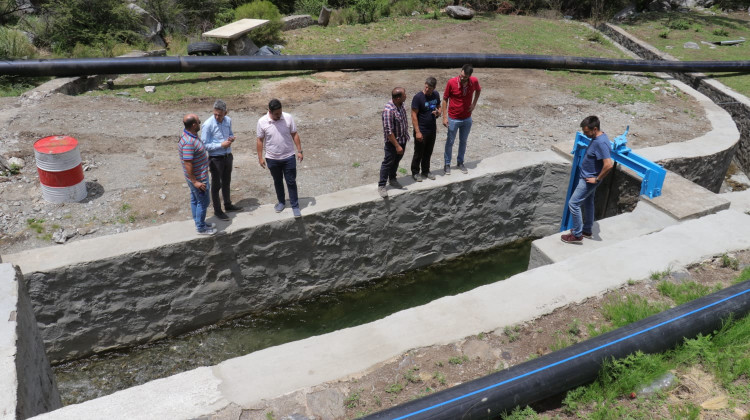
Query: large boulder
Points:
[459, 12]
[153, 27]
[25, 6]
[659, 6]
[242, 46]
[325, 16]
[626, 13]
[296, 22]
[683, 3]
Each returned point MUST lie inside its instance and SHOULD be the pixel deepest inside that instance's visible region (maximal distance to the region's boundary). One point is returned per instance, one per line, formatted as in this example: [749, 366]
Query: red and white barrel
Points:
[58, 162]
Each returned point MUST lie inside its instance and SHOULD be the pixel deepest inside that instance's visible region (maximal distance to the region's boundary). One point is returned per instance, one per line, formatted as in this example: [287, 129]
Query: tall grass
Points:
[14, 44]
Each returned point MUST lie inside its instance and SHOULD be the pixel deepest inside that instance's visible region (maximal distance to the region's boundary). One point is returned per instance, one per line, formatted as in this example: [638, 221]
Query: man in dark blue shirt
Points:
[595, 165]
[425, 108]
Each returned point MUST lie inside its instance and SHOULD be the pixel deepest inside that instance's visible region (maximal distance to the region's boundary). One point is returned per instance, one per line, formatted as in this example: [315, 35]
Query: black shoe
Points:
[232, 207]
[221, 215]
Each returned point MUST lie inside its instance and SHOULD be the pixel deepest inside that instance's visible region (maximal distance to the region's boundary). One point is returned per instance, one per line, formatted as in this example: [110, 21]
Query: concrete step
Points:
[645, 219]
[680, 200]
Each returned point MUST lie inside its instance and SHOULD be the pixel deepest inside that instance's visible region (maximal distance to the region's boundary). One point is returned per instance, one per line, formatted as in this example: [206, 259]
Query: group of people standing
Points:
[459, 100]
[279, 149]
[276, 132]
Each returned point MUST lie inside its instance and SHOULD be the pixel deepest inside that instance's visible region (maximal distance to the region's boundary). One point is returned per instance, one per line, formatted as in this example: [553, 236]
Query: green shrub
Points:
[406, 7]
[346, 16]
[367, 10]
[664, 34]
[721, 32]
[262, 9]
[679, 24]
[90, 22]
[309, 7]
[14, 44]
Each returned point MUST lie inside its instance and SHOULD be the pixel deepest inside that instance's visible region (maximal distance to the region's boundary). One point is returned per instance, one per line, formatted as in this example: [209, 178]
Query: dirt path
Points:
[134, 176]
[426, 370]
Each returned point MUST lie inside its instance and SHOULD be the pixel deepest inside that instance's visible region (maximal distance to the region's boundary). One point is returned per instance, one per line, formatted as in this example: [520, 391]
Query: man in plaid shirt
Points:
[396, 134]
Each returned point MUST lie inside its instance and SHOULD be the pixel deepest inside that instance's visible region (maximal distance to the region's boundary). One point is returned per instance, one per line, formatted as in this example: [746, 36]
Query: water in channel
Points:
[101, 375]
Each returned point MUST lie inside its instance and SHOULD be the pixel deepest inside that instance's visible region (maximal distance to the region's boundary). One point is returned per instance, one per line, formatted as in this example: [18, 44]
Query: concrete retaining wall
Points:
[120, 290]
[736, 104]
[27, 386]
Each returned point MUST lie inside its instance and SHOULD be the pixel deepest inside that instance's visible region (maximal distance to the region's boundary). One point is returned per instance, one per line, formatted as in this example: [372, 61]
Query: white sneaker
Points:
[207, 231]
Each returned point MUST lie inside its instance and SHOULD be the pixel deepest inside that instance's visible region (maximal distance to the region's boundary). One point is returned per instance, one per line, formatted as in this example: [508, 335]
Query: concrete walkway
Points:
[247, 380]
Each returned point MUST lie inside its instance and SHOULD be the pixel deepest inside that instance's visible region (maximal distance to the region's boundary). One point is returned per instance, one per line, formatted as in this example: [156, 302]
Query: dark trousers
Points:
[390, 163]
[422, 153]
[221, 177]
[284, 169]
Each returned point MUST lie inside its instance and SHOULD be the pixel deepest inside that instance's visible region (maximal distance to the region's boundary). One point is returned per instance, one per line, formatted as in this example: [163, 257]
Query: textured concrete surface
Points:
[247, 380]
[27, 385]
[106, 292]
[683, 199]
[8, 314]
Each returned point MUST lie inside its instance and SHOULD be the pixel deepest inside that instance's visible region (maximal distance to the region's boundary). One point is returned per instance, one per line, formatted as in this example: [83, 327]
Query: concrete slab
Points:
[643, 220]
[684, 200]
[236, 29]
[740, 200]
[266, 374]
[9, 378]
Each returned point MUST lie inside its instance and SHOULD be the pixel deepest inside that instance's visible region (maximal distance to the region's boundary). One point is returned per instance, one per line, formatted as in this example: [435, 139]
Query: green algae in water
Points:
[104, 374]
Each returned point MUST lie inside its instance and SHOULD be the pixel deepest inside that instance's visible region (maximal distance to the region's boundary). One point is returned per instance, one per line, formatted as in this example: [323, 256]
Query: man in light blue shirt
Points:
[218, 137]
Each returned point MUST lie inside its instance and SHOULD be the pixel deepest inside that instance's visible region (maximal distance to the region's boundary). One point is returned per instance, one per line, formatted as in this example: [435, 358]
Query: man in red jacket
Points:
[460, 97]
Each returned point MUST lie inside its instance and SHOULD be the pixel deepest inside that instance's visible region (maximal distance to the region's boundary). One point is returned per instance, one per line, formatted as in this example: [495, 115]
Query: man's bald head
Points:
[189, 120]
[397, 92]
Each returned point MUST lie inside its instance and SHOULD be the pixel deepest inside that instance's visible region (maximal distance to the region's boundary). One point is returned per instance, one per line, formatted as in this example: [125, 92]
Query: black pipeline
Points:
[576, 365]
[130, 65]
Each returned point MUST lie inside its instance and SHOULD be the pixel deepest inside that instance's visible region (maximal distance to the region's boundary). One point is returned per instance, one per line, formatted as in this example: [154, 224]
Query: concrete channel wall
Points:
[121, 290]
[736, 104]
[27, 385]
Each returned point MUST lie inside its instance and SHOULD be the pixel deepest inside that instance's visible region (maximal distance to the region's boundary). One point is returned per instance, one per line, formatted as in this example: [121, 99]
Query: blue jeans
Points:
[199, 201]
[463, 127]
[583, 196]
[284, 169]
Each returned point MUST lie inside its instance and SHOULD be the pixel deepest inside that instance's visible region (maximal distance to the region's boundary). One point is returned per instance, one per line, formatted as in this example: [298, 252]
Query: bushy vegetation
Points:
[309, 7]
[15, 44]
[407, 7]
[346, 16]
[89, 22]
[262, 9]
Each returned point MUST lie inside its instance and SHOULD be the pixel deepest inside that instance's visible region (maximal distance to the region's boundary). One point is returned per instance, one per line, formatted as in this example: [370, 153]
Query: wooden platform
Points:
[235, 29]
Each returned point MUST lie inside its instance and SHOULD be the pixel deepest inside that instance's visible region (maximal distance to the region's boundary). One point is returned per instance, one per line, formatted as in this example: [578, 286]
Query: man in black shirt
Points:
[425, 108]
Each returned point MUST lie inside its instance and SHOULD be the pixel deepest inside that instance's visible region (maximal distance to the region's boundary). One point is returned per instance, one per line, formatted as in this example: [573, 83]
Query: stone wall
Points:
[354, 237]
[27, 385]
[736, 104]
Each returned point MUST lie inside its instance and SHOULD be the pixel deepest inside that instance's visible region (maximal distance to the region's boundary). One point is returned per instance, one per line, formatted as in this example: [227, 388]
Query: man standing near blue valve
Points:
[595, 165]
